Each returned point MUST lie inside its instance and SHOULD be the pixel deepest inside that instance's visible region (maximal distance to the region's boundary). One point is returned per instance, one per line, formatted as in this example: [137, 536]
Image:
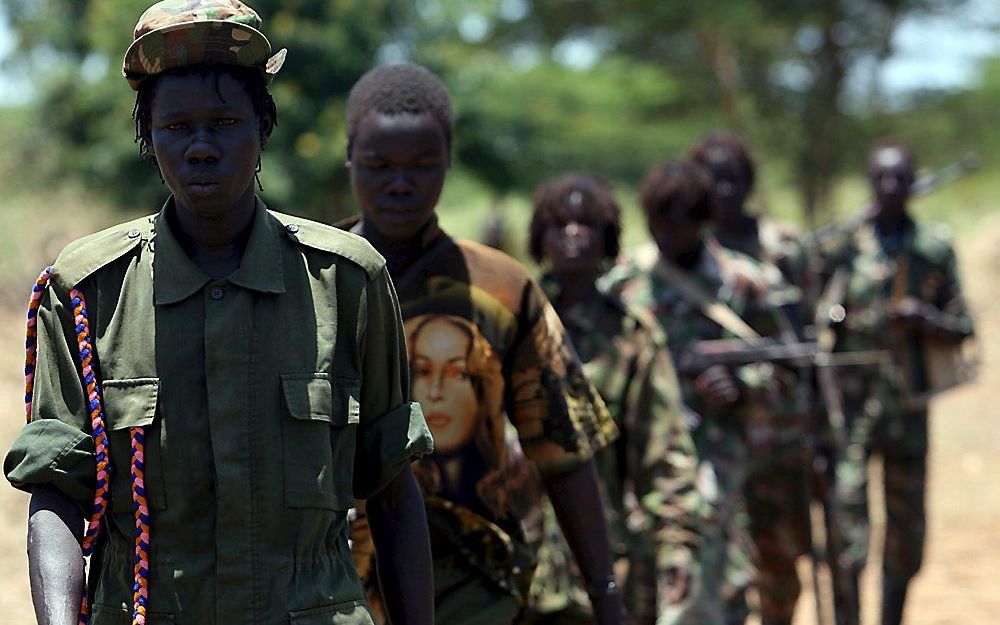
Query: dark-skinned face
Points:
[675, 235]
[574, 242]
[891, 175]
[207, 142]
[398, 165]
[730, 184]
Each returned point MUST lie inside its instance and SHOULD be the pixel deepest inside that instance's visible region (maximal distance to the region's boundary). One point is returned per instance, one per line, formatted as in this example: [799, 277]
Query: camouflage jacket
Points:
[652, 506]
[770, 408]
[781, 246]
[878, 269]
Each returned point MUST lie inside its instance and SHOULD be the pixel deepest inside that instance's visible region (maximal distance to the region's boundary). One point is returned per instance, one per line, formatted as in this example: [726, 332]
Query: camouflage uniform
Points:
[918, 263]
[652, 505]
[720, 437]
[779, 486]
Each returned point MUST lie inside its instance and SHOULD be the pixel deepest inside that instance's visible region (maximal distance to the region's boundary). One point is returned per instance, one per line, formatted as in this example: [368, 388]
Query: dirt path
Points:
[958, 583]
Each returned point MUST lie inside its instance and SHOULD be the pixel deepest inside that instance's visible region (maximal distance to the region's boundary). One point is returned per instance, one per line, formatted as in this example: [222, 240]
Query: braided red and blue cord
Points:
[81, 324]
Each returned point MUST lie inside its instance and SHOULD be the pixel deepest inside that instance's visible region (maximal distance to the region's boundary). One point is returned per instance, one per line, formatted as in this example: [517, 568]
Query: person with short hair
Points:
[893, 284]
[780, 482]
[486, 348]
[683, 279]
[648, 476]
[214, 385]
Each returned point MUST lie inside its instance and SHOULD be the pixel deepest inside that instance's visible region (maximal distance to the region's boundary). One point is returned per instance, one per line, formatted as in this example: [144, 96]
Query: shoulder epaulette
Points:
[333, 240]
[84, 256]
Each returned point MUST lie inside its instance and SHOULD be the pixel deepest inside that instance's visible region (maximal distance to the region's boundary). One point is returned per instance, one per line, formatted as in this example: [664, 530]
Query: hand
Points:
[910, 313]
[717, 386]
[677, 584]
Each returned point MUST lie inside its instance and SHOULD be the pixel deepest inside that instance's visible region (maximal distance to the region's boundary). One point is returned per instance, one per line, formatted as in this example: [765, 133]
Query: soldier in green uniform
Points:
[255, 360]
[893, 286]
[779, 484]
[485, 348]
[651, 503]
[684, 280]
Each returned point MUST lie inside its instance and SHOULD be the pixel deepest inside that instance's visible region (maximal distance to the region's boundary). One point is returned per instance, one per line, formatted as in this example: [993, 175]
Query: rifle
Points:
[737, 352]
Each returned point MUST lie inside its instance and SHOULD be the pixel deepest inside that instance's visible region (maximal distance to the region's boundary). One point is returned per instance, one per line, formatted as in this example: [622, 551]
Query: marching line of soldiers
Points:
[798, 359]
[263, 419]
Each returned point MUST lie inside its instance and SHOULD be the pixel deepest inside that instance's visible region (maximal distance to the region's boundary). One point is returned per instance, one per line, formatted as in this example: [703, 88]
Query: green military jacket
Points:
[776, 244]
[752, 290]
[877, 269]
[271, 400]
[648, 475]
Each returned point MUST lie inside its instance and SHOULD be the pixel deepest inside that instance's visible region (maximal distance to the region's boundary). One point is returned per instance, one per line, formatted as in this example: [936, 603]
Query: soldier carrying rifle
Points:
[891, 284]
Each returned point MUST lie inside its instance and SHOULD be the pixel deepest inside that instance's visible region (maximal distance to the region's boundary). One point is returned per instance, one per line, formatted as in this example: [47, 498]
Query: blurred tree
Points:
[609, 86]
[76, 46]
[776, 69]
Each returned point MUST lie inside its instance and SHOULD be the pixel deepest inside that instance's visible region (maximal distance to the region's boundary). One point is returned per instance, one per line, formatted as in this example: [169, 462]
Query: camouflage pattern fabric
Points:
[652, 506]
[878, 420]
[174, 33]
[722, 438]
[778, 488]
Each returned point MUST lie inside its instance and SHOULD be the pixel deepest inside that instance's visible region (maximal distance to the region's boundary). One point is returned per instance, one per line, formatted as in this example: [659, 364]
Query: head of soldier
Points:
[678, 201]
[575, 226]
[203, 112]
[891, 172]
[727, 156]
[399, 129]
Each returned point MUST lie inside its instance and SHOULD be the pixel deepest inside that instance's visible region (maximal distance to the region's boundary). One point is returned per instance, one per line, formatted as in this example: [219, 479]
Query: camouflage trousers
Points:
[725, 568]
[778, 497]
[899, 437]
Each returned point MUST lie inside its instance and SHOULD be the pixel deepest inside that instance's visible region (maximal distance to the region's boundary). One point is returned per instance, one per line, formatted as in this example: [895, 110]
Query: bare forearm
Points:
[577, 504]
[55, 560]
[398, 523]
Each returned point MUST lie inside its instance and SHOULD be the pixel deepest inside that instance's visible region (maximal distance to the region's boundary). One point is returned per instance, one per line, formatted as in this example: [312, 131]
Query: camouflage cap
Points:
[174, 33]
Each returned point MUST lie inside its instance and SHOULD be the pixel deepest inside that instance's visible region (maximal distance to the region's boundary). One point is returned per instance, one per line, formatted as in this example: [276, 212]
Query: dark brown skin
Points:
[398, 166]
[55, 559]
[207, 149]
[574, 250]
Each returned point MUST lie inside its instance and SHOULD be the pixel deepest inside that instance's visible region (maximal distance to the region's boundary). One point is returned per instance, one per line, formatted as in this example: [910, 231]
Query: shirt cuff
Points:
[390, 441]
[50, 452]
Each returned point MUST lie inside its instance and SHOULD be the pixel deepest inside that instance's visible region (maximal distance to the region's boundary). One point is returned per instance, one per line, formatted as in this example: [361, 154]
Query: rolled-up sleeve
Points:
[55, 448]
[392, 431]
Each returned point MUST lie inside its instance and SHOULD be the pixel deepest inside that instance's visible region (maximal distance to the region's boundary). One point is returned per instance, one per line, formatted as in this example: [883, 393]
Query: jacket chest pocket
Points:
[318, 440]
[131, 403]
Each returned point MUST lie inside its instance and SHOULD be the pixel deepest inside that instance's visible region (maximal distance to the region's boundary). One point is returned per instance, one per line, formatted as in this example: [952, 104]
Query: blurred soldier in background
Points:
[892, 287]
[700, 291]
[779, 485]
[648, 476]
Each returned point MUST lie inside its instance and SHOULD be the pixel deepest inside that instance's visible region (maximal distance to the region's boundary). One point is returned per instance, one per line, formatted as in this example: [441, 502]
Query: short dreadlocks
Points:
[596, 196]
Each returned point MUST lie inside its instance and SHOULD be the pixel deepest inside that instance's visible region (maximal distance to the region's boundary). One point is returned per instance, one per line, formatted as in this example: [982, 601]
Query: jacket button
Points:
[292, 228]
[133, 234]
[217, 293]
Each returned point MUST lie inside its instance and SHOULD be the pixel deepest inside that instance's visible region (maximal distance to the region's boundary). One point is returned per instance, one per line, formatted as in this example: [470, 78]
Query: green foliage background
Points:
[653, 77]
